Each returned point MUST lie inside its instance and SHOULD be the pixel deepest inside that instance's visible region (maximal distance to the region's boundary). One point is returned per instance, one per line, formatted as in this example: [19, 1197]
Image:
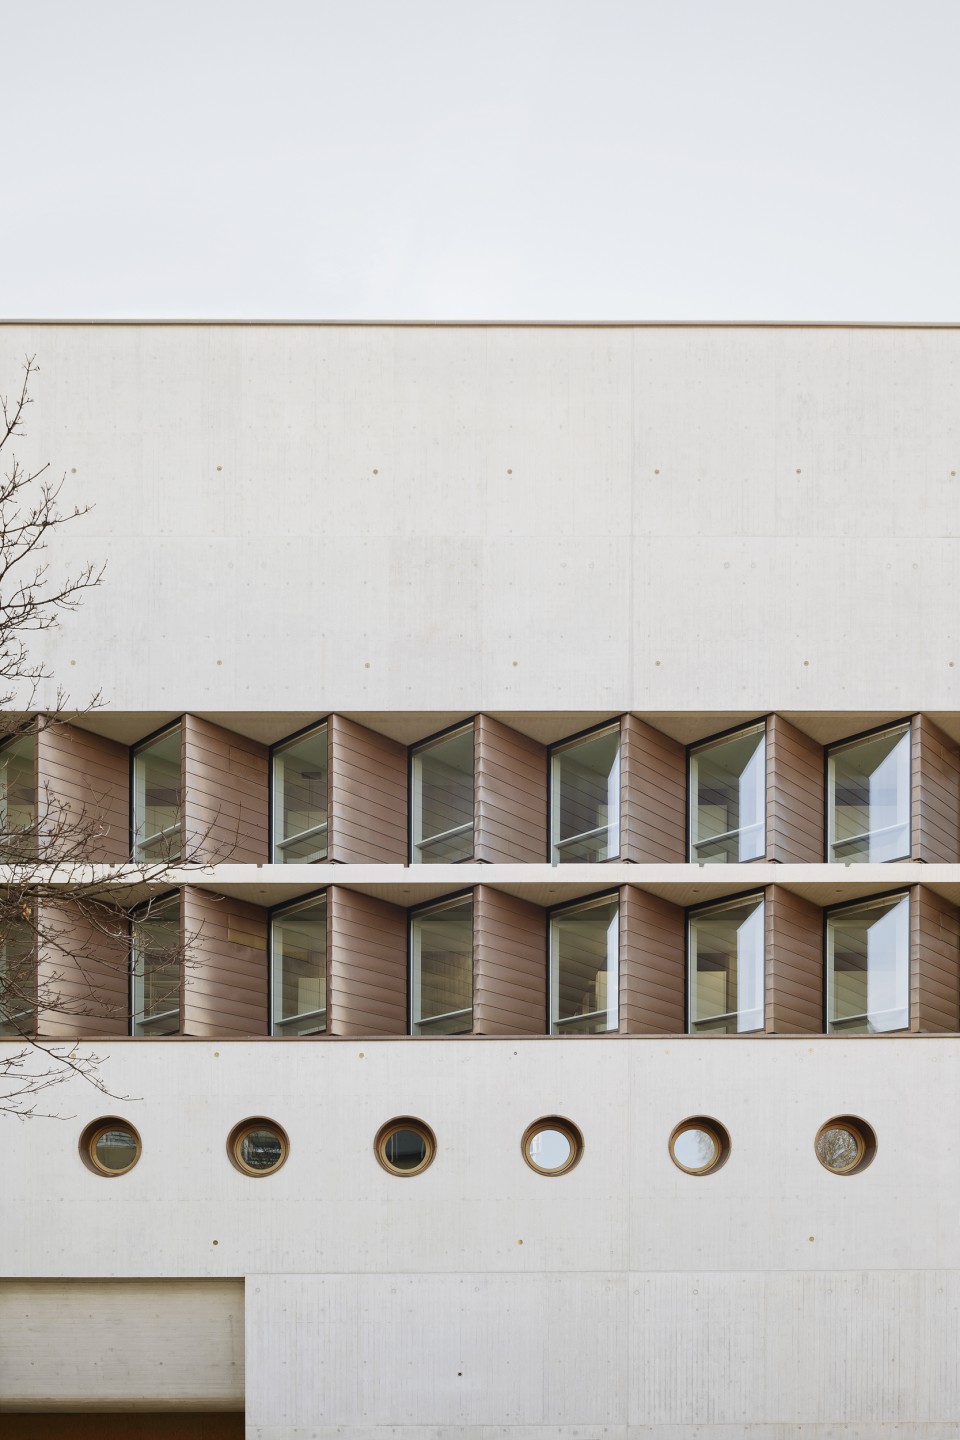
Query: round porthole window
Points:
[845, 1145]
[110, 1146]
[258, 1147]
[551, 1146]
[699, 1145]
[405, 1146]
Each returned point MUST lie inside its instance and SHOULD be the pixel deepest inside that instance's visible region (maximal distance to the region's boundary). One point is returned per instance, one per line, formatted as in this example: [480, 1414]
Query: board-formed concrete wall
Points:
[483, 518]
[414, 524]
[625, 1293]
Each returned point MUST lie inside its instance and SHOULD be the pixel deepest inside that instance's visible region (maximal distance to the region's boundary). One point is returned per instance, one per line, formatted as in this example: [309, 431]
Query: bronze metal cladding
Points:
[510, 797]
[652, 964]
[509, 965]
[83, 972]
[366, 964]
[90, 776]
[935, 794]
[935, 962]
[795, 794]
[225, 779]
[225, 969]
[653, 795]
[793, 941]
[368, 796]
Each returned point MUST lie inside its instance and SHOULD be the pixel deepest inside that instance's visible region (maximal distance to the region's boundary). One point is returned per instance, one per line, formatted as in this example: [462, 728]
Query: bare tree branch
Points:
[67, 927]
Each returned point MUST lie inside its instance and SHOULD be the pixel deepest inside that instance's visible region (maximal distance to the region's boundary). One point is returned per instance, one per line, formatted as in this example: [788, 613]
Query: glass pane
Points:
[157, 798]
[443, 800]
[156, 975]
[695, 1149]
[442, 962]
[868, 967]
[405, 1150]
[116, 1150]
[837, 1147]
[584, 951]
[549, 1149]
[726, 968]
[261, 1149]
[728, 793]
[18, 797]
[300, 800]
[299, 952]
[585, 803]
[869, 800]
[17, 978]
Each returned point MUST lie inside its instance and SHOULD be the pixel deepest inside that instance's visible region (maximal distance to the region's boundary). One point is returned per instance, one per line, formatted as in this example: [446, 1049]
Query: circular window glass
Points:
[552, 1146]
[405, 1146]
[258, 1147]
[845, 1145]
[699, 1145]
[110, 1146]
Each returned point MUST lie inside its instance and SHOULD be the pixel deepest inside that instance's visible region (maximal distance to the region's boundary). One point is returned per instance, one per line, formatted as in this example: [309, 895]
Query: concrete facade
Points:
[411, 524]
[482, 1299]
[590, 518]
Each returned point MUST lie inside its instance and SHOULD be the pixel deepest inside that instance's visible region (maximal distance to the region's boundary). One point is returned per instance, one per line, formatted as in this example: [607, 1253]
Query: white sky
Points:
[582, 159]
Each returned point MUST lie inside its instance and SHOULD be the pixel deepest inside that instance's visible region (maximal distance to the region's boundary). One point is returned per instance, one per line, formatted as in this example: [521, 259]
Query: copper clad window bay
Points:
[207, 944]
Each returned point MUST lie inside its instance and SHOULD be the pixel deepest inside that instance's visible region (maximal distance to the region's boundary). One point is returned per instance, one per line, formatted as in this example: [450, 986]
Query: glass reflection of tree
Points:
[838, 1148]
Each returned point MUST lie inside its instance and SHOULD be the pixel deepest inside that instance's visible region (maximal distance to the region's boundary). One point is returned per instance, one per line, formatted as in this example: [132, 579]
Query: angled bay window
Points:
[725, 957]
[18, 796]
[300, 777]
[441, 968]
[868, 797]
[442, 795]
[585, 797]
[157, 797]
[868, 966]
[157, 953]
[584, 967]
[18, 971]
[298, 962]
[728, 797]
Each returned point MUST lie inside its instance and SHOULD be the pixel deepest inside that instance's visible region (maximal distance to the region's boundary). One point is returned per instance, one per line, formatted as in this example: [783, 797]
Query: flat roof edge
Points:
[510, 324]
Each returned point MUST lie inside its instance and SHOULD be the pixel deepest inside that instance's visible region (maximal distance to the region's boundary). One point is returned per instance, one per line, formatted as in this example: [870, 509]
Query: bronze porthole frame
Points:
[862, 1132]
[240, 1132]
[94, 1132]
[393, 1127]
[568, 1130]
[718, 1134]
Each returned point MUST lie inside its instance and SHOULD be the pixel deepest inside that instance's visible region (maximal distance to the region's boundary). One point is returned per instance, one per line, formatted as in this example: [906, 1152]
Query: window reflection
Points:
[584, 968]
[728, 798]
[868, 967]
[585, 798]
[699, 1145]
[441, 962]
[695, 1149]
[18, 797]
[726, 959]
[298, 954]
[156, 968]
[157, 798]
[18, 977]
[442, 799]
[300, 775]
[115, 1150]
[868, 798]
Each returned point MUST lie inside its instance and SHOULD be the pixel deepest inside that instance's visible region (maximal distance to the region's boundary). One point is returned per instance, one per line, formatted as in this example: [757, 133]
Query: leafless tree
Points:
[65, 927]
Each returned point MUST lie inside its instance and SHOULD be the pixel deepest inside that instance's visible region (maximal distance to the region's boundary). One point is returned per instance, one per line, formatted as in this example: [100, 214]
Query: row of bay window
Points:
[867, 813]
[867, 967]
[867, 788]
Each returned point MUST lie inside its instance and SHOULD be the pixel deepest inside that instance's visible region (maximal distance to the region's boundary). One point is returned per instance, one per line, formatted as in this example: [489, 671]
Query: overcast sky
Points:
[605, 159]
